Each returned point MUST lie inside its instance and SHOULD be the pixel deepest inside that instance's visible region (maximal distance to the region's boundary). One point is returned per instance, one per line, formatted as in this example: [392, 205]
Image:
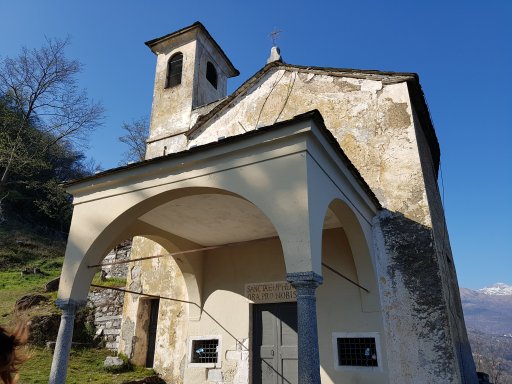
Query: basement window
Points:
[205, 351]
[211, 74]
[174, 70]
[356, 351]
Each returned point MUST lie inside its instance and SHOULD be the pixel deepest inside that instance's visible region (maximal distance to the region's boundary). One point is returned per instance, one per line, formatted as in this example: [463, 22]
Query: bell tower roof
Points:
[197, 27]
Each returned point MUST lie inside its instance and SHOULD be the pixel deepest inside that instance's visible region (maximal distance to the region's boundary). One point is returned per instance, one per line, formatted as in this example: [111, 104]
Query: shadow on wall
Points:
[415, 263]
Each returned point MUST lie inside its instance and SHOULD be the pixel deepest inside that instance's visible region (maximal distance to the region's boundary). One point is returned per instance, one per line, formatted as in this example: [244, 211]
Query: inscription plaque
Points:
[270, 292]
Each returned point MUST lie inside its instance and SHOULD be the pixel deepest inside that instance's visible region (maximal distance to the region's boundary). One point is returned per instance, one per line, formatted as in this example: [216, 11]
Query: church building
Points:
[290, 232]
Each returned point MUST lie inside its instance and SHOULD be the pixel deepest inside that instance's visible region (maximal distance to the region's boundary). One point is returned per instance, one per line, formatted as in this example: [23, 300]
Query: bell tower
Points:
[191, 71]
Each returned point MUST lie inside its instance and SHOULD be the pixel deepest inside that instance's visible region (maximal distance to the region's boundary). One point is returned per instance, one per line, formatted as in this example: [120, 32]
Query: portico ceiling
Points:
[214, 219]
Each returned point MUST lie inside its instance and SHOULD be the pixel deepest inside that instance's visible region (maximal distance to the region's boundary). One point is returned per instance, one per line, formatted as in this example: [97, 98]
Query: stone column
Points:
[63, 344]
[305, 283]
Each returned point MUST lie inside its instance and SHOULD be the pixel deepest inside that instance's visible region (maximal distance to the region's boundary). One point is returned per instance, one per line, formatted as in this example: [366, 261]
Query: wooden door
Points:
[153, 324]
[275, 343]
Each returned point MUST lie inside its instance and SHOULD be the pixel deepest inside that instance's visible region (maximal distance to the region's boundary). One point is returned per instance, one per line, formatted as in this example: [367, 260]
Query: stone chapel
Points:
[290, 232]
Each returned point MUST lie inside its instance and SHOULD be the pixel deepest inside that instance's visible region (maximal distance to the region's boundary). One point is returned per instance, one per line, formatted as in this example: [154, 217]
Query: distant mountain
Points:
[499, 289]
[488, 310]
[488, 316]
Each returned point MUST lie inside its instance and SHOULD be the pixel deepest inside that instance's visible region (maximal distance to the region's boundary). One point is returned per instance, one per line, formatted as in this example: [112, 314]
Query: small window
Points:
[174, 70]
[211, 74]
[205, 351]
[356, 351]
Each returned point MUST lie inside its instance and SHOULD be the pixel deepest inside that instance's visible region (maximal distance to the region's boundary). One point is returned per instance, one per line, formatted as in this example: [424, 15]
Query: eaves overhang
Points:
[197, 25]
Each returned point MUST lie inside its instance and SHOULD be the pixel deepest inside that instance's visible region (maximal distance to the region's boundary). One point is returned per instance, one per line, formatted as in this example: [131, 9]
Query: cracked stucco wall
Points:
[373, 121]
[448, 275]
[160, 277]
[172, 106]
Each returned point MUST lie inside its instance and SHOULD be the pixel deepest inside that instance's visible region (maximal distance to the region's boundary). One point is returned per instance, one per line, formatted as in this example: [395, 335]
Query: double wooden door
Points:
[275, 343]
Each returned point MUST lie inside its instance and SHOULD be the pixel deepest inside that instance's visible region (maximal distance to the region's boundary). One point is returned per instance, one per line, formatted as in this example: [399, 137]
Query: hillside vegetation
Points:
[22, 249]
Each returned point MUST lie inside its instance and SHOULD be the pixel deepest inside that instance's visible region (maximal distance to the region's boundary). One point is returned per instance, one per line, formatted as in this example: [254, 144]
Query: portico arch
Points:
[98, 224]
[359, 241]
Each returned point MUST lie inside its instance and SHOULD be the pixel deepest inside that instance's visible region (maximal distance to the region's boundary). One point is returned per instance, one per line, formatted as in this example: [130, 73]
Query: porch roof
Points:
[313, 115]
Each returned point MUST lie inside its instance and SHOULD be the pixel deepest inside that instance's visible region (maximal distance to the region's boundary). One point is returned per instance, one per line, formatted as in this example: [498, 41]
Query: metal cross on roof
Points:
[274, 35]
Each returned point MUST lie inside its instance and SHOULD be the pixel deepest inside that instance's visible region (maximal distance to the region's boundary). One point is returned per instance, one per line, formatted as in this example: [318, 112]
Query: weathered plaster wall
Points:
[371, 120]
[172, 107]
[418, 336]
[227, 312]
[457, 329]
[204, 92]
[161, 277]
[170, 113]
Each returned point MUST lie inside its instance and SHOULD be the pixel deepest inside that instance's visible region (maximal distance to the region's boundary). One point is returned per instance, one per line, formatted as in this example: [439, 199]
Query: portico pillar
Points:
[305, 284]
[63, 344]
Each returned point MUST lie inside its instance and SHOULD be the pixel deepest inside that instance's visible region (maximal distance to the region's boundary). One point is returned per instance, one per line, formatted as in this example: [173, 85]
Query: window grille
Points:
[205, 351]
[357, 351]
[174, 69]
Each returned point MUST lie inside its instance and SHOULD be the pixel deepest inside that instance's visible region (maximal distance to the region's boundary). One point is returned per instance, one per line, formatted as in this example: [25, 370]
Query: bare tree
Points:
[135, 138]
[40, 88]
[495, 368]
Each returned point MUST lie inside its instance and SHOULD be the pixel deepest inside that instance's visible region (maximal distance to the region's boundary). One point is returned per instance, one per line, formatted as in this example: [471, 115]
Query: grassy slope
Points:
[20, 249]
[85, 366]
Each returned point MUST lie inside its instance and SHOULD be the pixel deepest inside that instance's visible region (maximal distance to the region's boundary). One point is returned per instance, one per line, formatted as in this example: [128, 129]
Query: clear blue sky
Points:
[462, 51]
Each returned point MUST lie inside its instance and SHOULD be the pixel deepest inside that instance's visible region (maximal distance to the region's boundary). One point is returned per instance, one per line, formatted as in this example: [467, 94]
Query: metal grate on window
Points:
[205, 351]
[357, 351]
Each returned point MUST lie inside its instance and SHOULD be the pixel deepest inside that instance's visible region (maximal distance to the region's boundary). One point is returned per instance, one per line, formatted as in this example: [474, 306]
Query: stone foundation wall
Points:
[107, 303]
[108, 311]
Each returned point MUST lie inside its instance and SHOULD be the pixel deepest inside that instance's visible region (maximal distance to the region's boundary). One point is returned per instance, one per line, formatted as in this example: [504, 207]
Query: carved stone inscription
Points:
[271, 292]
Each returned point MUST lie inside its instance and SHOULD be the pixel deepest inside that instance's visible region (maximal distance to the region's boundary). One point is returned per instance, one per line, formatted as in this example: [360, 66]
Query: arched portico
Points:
[348, 300]
[281, 180]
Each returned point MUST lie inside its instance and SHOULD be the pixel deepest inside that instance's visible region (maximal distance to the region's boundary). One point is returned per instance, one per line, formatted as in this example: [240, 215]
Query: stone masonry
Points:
[108, 304]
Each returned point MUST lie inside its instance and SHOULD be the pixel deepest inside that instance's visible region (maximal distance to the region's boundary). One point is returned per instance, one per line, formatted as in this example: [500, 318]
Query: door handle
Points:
[272, 353]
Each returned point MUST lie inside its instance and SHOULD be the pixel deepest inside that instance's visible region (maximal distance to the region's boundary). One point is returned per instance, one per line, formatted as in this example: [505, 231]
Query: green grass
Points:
[13, 286]
[19, 249]
[111, 282]
[85, 366]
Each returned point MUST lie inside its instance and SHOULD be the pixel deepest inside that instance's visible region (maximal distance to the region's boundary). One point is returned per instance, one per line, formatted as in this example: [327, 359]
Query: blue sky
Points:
[462, 51]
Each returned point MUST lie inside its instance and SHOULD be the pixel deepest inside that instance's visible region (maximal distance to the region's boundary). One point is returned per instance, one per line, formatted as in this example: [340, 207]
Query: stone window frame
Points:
[354, 368]
[218, 364]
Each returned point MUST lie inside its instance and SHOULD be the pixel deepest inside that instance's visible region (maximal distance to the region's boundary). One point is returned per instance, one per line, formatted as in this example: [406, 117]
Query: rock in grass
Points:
[117, 364]
[28, 301]
[113, 361]
[52, 285]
